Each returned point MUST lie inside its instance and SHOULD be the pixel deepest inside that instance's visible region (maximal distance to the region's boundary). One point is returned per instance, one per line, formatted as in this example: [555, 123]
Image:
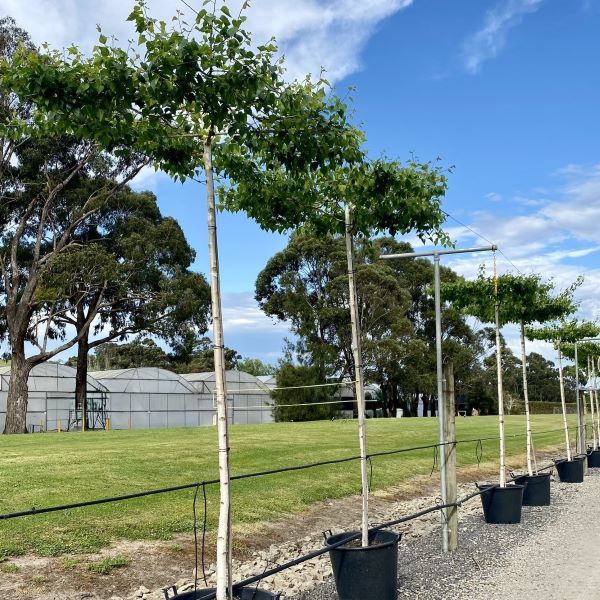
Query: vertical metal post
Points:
[580, 442]
[449, 451]
[440, 394]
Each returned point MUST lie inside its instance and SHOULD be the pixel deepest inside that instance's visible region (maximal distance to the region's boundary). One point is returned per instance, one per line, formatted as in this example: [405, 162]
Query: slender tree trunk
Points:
[16, 402]
[500, 399]
[526, 398]
[358, 374]
[224, 575]
[563, 404]
[594, 398]
[83, 350]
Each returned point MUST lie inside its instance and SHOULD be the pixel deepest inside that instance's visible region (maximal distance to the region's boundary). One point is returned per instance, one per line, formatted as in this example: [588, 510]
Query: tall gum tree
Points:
[145, 258]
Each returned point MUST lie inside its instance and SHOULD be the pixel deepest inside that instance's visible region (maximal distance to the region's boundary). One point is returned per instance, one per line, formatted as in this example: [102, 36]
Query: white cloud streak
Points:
[490, 39]
[241, 313]
[311, 33]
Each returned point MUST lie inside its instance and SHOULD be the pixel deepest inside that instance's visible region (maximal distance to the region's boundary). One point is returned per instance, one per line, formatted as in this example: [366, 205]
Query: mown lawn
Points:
[43, 470]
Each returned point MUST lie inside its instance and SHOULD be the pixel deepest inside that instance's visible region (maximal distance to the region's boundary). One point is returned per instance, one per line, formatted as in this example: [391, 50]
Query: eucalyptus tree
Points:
[145, 259]
[560, 333]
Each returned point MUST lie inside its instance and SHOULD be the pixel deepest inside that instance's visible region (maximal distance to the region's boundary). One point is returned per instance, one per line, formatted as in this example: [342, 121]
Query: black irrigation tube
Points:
[187, 486]
[328, 547]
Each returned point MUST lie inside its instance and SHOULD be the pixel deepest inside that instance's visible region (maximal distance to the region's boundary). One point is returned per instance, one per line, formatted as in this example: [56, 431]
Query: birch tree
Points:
[509, 298]
[560, 333]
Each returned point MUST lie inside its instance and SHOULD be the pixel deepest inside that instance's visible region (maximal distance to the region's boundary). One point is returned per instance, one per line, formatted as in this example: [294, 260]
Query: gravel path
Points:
[550, 555]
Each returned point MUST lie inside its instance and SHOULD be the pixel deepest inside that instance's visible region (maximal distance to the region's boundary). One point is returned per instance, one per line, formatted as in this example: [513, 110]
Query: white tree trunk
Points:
[526, 397]
[224, 576]
[592, 408]
[358, 374]
[595, 399]
[500, 399]
[564, 405]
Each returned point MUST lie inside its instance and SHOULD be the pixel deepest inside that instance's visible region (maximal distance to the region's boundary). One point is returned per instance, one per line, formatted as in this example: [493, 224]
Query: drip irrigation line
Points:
[187, 486]
[316, 553]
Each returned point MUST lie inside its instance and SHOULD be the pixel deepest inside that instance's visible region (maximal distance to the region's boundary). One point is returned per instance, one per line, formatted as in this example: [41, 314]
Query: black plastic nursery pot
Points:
[570, 471]
[366, 572]
[537, 489]
[593, 459]
[245, 593]
[502, 505]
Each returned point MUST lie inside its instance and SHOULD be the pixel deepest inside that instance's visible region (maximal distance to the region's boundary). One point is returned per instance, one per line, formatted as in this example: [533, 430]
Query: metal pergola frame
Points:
[438, 343]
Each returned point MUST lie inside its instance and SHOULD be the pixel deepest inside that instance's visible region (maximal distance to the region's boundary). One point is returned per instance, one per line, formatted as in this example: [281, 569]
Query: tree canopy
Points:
[521, 298]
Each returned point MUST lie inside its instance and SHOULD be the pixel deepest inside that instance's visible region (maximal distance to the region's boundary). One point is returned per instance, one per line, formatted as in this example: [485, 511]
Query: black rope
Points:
[204, 524]
[435, 461]
[195, 539]
[479, 452]
[187, 486]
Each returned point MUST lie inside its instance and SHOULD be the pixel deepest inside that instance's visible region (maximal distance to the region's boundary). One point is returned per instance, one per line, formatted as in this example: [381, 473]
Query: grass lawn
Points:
[46, 469]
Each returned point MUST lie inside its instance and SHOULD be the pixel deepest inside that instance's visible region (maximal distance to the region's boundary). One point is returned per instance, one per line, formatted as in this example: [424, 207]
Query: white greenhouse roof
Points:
[237, 381]
[269, 380]
[51, 377]
[144, 380]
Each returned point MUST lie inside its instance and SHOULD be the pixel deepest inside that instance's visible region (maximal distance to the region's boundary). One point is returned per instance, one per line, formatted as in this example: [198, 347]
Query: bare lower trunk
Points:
[16, 402]
[358, 374]
[563, 404]
[83, 350]
[500, 400]
[594, 398]
[593, 413]
[526, 399]
[224, 575]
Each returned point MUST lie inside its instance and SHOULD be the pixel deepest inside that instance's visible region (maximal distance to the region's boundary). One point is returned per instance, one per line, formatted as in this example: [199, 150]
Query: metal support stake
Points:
[446, 538]
[580, 447]
[440, 395]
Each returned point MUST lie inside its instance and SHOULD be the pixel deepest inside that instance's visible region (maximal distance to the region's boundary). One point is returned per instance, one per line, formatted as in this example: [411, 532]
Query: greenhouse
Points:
[51, 399]
[149, 397]
[248, 397]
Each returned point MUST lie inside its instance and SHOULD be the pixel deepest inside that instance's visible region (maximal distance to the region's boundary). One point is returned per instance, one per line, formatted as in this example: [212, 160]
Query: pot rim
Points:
[364, 548]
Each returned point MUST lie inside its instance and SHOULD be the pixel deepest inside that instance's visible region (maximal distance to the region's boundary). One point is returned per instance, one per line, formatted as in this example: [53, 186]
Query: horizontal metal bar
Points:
[440, 252]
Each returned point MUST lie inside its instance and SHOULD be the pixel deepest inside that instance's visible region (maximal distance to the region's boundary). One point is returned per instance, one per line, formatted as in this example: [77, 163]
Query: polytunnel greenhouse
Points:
[51, 398]
[149, 397]
[249, 400]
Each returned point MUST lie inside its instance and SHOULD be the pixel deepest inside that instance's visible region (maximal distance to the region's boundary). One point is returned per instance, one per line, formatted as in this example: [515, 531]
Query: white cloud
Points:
[311, 33]
[241, 313]
[550, 240]
[490, 39]
[148, 179]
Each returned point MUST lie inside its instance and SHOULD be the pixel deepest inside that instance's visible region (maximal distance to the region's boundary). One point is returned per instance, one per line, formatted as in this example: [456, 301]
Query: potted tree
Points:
[528, 300]
[571, 468]
[587, 353]
[361, 197]
[489, 299]
[195, 101]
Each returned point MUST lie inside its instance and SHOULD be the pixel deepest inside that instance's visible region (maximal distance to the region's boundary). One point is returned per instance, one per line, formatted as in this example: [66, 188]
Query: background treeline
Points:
[305, 285]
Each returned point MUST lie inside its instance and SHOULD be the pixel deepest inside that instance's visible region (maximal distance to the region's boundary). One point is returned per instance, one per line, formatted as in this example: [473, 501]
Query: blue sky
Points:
[507, 91]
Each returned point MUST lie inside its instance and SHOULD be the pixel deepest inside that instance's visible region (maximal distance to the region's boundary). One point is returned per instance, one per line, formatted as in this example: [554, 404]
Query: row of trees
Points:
[196, 99]
[306, 285]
